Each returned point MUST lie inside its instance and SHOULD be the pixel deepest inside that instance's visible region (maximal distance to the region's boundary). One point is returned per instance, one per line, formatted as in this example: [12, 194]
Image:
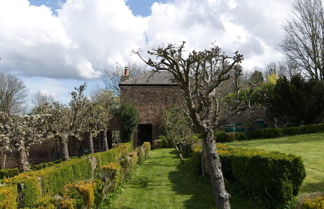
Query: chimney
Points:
[125, 76]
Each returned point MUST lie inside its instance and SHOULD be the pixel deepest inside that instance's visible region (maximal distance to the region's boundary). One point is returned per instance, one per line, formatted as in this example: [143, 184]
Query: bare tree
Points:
[40, 98]
[200, 75]
[304, 41]
[13, 93]
[113, 77]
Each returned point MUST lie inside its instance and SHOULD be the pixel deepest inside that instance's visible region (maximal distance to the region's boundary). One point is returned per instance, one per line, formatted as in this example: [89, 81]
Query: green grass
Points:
[163, 182]
[310, 147]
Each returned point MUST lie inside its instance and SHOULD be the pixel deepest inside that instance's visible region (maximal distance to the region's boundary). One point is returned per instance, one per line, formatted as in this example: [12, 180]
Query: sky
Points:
[55, 45]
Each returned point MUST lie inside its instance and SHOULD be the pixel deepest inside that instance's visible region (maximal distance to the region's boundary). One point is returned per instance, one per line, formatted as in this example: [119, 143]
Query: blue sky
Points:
[139, 7]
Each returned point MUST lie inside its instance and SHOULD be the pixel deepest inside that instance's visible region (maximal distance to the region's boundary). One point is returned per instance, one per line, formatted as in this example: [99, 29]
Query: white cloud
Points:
[84, 37]
[79, 42]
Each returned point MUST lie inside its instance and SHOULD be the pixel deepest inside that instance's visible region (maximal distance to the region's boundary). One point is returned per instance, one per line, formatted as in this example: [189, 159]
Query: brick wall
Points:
[150, 101]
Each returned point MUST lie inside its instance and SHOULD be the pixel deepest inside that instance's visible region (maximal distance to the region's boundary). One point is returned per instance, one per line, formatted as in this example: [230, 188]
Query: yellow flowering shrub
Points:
[8, 197]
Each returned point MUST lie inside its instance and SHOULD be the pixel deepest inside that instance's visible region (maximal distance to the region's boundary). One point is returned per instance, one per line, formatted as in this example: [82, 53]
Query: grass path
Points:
[310, 147]
[162, 182]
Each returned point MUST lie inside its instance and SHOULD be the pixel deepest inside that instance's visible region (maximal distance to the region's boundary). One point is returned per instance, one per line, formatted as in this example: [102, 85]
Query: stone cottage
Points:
[150, 92]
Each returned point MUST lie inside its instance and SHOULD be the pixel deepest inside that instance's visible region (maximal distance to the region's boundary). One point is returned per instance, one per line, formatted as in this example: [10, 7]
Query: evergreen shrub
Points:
[287, 131]
[8, 197]
[129, 118]
[8, 173]
[314, 203]
[273, 177]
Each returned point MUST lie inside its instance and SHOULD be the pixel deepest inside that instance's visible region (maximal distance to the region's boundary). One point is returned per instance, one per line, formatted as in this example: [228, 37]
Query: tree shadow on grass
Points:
[313, 187]
[185, 182]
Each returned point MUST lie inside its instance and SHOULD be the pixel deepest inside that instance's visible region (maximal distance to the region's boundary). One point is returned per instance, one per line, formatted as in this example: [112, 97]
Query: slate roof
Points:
[161, 78]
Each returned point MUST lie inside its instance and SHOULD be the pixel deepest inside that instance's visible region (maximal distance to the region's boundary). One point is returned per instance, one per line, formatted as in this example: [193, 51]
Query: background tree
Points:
[112, 77]
[66, 122]
[108, 103]
[178, 129]
[129, 118]
[304, 40]
[13, 93]
[39, 99]
[298, 100]
[200, 75]
[18, 133]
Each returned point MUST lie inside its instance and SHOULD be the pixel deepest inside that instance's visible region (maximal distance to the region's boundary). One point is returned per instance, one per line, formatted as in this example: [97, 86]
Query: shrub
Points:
[8, 197]
[265, 133]
[271, 176]
[221, 136]
[29, 186]
[46, 202]
[81, 192]
[44, 165]
[129, 118]
[36, 186]
[240, 136]
[165, 142]
[112, 171]
[287, 131]
[316, 203]
[8, 173]
[157, 144]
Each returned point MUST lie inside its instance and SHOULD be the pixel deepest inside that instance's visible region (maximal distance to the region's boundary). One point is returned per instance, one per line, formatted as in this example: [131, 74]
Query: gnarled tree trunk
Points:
[105, 140]
[23, 164]
[90, 141]
[64, 139]
[215, 171]
[3, 159]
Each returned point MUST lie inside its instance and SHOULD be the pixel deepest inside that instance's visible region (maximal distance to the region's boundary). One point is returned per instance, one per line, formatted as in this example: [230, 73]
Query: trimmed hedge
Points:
[288, 131]
[272, 177]
[222, 136]
[8, 197]
[72, 179]
[315, 203]
[8, 173]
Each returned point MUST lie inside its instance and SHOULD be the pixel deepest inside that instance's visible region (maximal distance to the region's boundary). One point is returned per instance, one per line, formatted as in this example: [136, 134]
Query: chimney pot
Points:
[126, 71]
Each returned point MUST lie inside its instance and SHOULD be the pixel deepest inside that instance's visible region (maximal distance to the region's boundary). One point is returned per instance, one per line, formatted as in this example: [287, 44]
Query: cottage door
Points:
[144, 133]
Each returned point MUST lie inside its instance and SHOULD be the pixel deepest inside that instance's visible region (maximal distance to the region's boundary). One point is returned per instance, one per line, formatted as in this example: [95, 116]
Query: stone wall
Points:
[151, 101]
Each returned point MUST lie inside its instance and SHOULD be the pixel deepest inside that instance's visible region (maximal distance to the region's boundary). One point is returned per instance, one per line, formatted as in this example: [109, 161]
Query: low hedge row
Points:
[8, 196]
[314, 203]
[288, 131]
[8, 173]
[36, 187]
[222, 136]
[272, 177]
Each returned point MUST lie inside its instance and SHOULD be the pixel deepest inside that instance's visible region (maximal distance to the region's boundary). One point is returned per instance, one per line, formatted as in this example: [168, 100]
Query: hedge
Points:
[272, 177]
[8, 196]
[8, 173]
[37, 187]
[222, 136]
[288, 131]
[315, 203]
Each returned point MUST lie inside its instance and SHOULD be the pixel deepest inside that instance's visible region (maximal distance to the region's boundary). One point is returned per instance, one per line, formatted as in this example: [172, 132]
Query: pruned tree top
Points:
[200, 74]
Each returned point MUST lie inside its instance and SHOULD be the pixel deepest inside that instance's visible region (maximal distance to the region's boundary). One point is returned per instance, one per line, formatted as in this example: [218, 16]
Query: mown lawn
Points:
[163, 182]
[310, 147]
